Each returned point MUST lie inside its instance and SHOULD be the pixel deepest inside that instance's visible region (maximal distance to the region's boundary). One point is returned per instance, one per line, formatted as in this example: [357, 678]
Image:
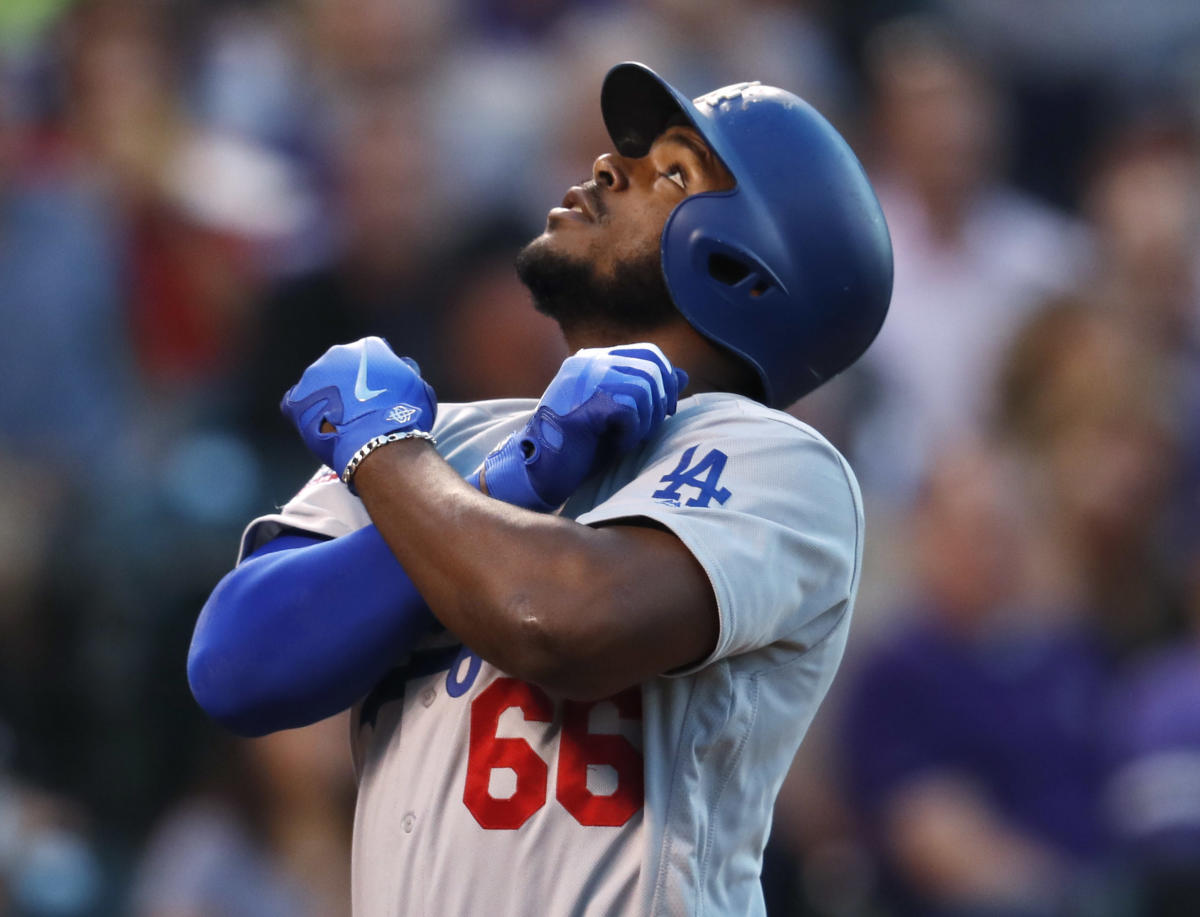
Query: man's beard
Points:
[633, 300]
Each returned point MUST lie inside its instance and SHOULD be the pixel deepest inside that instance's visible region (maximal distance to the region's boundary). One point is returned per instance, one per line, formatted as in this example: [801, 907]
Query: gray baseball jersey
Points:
[482, 794]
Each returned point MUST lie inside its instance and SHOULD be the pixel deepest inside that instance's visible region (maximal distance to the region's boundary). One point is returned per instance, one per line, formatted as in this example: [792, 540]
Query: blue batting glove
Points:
[602, 403]
[363, 390]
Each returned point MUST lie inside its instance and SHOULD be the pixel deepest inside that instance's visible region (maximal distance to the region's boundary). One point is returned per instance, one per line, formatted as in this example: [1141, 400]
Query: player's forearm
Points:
[543, 598]
[292, 636]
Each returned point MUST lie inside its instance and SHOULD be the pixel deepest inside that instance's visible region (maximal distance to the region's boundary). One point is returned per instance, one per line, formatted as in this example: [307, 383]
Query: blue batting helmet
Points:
[792, 268]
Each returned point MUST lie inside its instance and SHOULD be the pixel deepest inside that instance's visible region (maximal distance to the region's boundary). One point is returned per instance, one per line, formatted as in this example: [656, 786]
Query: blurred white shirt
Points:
[955, 307]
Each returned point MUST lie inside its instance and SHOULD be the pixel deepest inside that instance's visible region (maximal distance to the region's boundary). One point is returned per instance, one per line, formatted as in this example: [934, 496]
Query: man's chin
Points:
[569, 290]
[544, 242]
[554, 279]
[557, 242]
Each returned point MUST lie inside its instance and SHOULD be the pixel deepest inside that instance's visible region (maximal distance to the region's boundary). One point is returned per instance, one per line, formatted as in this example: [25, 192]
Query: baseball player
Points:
[583, 638]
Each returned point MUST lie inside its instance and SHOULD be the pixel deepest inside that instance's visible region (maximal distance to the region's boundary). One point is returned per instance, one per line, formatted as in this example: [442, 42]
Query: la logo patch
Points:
[704, 476]
[402, 413]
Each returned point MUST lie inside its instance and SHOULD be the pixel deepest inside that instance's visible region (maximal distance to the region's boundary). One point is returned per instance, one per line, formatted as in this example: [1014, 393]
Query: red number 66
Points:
[578, 748]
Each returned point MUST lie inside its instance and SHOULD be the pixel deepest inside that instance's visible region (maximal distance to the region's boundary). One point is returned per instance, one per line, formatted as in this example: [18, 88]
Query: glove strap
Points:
[507, 477]
[372, 444]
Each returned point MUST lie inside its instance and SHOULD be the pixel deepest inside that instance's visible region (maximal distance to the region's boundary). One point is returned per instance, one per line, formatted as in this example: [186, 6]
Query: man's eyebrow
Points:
[696, 146]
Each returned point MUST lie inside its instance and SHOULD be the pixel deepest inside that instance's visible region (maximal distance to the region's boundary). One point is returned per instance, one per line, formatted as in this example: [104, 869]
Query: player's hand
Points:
[353, 393]
[603, 402]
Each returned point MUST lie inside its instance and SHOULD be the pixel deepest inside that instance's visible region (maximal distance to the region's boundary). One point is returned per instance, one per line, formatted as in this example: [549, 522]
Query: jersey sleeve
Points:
[768, 508]
[325, 507]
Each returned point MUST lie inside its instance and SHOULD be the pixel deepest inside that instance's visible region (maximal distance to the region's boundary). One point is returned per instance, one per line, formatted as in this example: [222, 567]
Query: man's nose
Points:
[611, 171]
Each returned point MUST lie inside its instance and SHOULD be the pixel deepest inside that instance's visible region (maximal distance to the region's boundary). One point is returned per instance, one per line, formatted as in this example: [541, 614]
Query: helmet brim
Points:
[637, 105]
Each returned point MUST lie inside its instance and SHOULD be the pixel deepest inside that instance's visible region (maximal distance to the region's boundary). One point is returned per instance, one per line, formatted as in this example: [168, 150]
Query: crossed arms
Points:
[303, 627]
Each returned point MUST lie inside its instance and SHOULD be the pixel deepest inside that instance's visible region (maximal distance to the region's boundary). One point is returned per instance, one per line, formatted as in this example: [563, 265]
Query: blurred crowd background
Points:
[198, 197]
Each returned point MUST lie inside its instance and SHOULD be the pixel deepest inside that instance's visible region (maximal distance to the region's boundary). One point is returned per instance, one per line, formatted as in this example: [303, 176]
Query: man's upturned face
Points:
[597, 267]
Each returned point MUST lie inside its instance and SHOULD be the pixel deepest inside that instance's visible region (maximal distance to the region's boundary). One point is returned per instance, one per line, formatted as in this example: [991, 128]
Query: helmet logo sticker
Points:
[725, 94]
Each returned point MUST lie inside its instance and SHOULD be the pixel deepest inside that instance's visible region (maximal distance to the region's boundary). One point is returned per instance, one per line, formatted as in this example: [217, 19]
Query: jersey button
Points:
[428, 696]
[408, 822]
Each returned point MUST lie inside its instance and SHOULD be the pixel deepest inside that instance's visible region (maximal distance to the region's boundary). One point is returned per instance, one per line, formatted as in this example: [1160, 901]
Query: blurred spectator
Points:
[65, 402]
[490, 117]
[1088, 402]
[62, 351]
[196, 205]
[390, 274]
[1143, 201]
[971, 740]
[360, 44]
[269, 837]
[63, 344]
[1153, 794]
[1082, 61]
[48, 864]
[122, 285]
[972, 255]
[251, 79]
[496, 344]
[1087, 393]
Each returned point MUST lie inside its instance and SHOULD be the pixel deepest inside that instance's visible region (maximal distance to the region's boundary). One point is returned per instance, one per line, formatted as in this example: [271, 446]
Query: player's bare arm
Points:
[361, 611]
[582, 611]
[585, 612]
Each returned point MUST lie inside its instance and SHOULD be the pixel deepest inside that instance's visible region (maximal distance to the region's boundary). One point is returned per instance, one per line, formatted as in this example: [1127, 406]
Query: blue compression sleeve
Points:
[301, 630]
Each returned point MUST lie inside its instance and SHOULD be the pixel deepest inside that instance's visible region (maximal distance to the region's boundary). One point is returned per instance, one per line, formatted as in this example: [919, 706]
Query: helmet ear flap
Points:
[721, 282]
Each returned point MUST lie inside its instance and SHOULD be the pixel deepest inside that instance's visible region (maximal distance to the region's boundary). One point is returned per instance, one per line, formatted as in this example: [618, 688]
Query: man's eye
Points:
[675, 174]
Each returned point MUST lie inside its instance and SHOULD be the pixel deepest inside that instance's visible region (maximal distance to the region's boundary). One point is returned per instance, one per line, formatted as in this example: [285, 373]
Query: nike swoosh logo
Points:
[361, 392]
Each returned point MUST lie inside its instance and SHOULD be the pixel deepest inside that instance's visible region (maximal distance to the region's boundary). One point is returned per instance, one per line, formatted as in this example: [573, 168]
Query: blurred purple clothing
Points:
[1014, 712]
[1154, 794]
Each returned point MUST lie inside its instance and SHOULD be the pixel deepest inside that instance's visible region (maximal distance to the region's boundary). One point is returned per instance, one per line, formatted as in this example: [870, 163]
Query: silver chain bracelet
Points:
[372, 444]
